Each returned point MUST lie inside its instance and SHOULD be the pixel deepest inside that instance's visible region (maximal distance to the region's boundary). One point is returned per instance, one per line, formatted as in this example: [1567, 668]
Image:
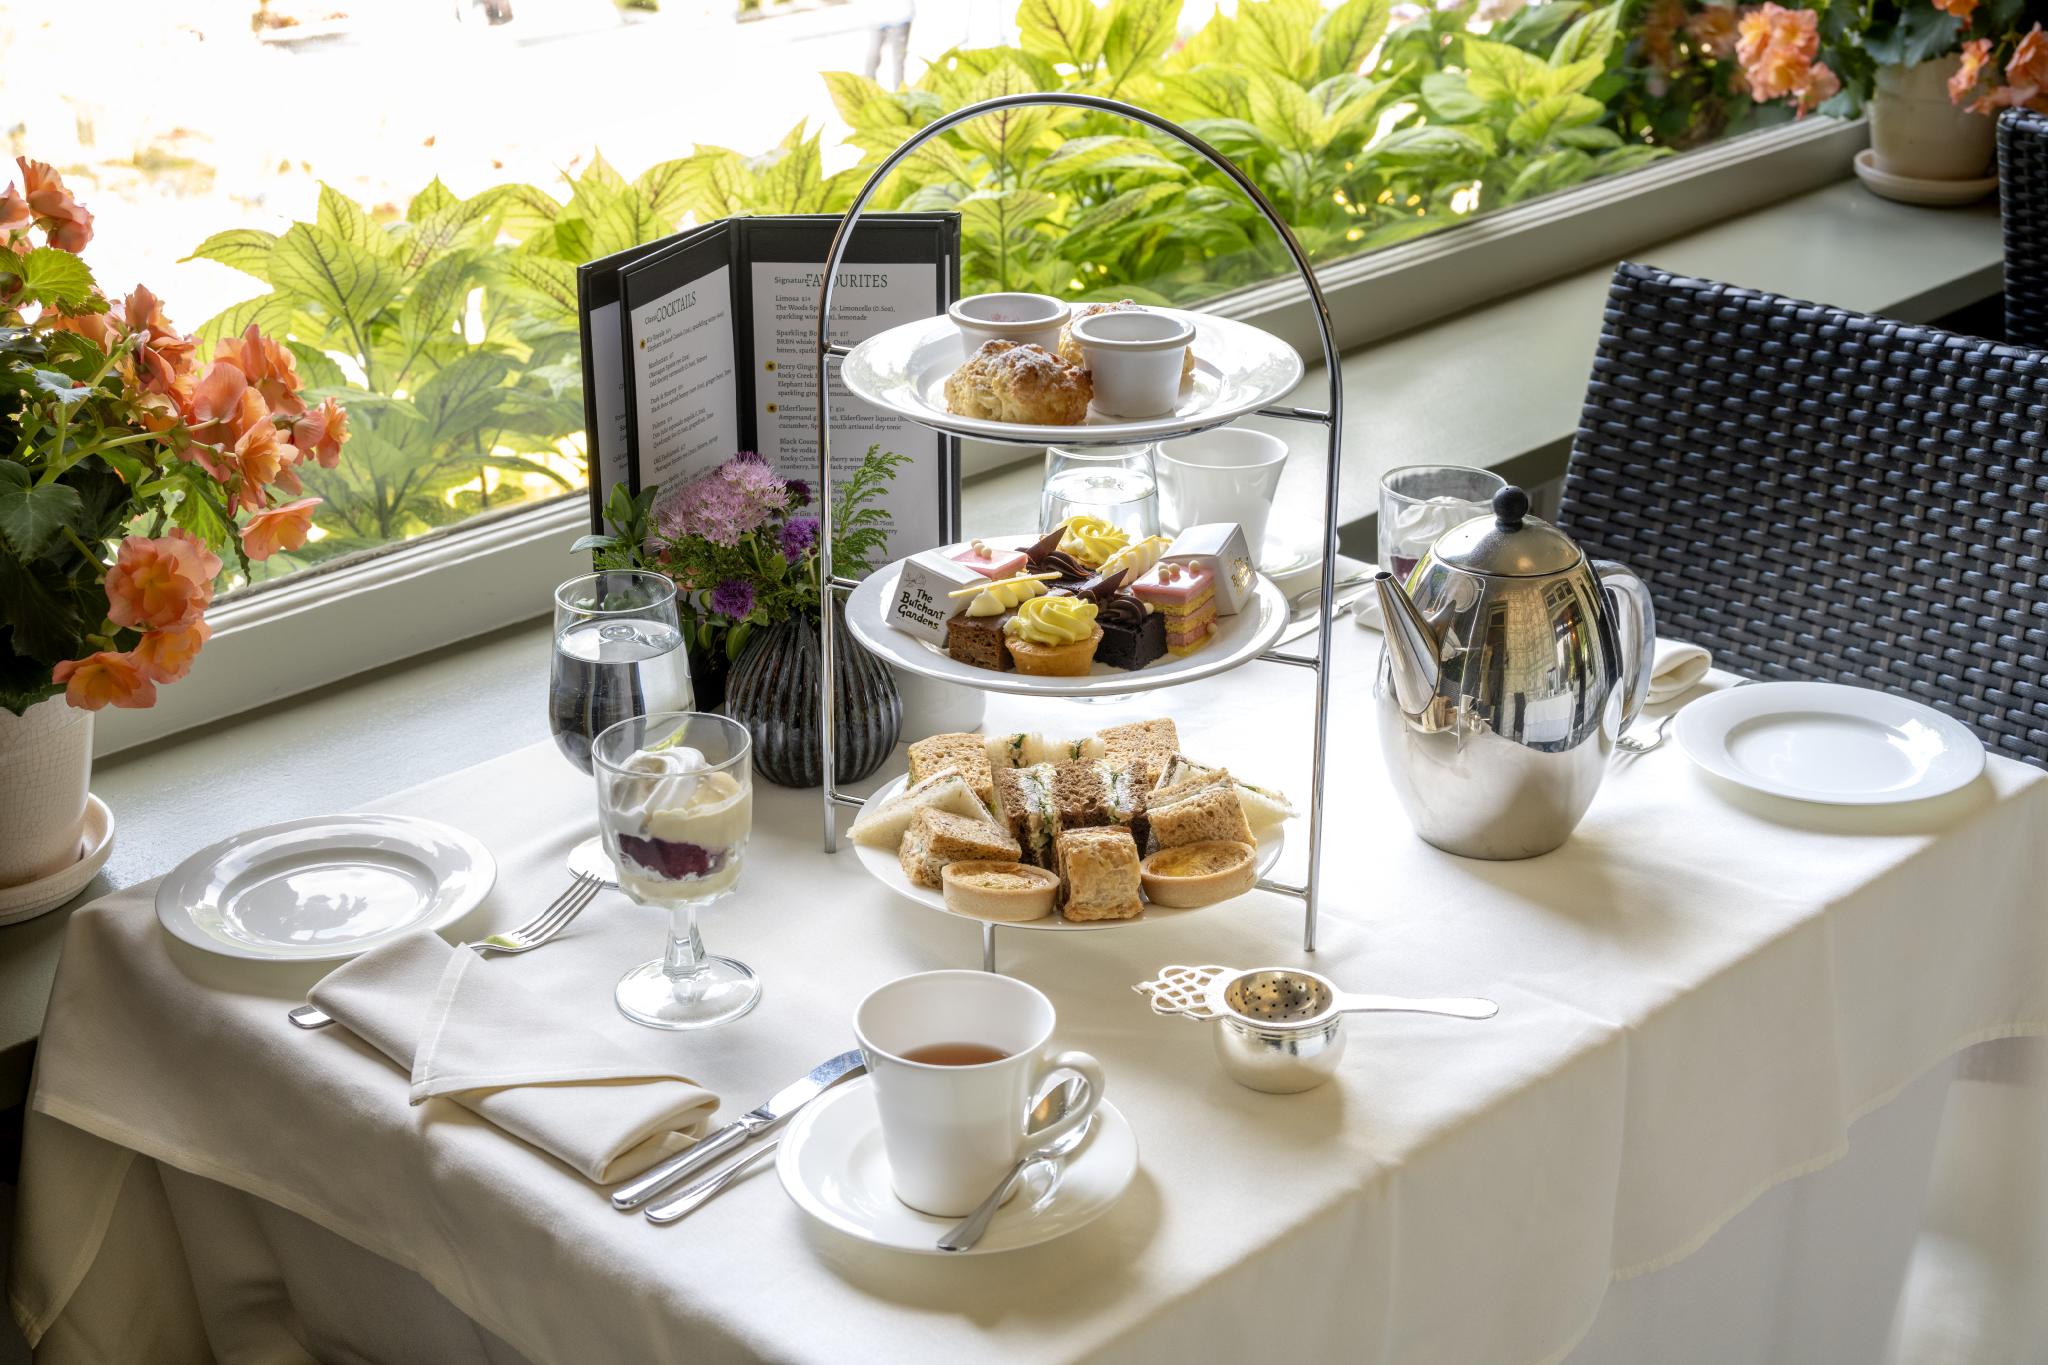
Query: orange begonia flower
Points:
[63, 218]
[15, 220]
[321, 432]
[1713, 30]
[260, 454]
[2026, 75]
[270, 367]
[166, 655]
[98, 328]
[105, 679]
[278, 528]
[1821, 85]
[157, 584]
[1976, 56]
[163, 356]
[1776, 47]
[1961, 9]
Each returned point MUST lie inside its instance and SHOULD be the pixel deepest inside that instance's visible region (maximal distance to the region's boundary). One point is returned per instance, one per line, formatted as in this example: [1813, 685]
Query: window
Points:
[404, 188]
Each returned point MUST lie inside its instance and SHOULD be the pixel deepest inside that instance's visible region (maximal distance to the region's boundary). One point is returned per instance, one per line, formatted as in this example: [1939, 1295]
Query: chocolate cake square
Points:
[1130, 642]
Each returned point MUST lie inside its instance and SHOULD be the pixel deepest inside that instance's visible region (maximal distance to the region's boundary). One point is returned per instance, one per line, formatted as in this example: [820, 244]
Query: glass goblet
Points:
[1419, 502]
[675, 803]
[618, 653]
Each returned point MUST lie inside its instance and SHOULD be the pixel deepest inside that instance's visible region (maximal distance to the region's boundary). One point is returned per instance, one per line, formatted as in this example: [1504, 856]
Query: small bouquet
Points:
[739, 545]
[1824, 54]
[127, 471]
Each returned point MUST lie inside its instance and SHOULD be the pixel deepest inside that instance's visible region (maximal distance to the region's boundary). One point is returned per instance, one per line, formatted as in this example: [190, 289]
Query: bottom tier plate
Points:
[883, 865]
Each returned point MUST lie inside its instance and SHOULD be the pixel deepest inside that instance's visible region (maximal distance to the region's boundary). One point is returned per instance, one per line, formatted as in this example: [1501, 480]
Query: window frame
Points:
[313, 629]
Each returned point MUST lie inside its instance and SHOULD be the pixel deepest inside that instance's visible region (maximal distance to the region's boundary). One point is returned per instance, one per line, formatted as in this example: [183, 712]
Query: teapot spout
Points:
[1411, 645]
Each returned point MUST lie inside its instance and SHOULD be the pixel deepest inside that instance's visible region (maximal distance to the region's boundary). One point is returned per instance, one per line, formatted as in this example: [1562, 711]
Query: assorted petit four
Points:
[1185, 595]
[988, 561]
[1081, 825]
[1053, 637]
[1008, 893]
[1091, 540]
[1220, 548]
[1008, 381]
[923, 603]
[1133, 559]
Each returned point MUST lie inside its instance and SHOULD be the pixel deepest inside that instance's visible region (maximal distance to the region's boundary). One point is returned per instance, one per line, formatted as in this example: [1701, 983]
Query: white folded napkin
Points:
[1676, 669]
[469, 1031]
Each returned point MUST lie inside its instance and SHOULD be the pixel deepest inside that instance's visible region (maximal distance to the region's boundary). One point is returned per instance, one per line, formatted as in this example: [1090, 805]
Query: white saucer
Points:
[832, 1165]
[885, 867]
[324, 888]
[1906, 189]
[1830, 744]
[45, 894]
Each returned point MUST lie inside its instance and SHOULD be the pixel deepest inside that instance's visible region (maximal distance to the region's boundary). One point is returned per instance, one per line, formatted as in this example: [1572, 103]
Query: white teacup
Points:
[1229, 474]
[951, 1131]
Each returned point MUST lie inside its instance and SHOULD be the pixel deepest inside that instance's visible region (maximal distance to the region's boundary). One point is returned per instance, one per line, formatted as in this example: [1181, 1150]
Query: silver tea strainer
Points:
[1280, 1029]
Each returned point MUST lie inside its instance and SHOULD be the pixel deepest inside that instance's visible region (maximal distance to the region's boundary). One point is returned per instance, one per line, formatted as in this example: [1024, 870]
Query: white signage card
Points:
[865, 300]
[607, 380]
[686, 395]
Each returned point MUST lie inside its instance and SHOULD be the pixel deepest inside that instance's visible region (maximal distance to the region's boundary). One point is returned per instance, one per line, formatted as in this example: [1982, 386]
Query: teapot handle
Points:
[1638, 633]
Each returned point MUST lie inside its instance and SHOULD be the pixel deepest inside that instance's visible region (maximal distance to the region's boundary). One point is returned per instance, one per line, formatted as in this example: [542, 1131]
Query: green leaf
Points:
[1549, 173]
[316, 368]
[1007, 136]
[245, 249]
[1447, 96]
[1430, 143]
[435, 198]
[1283, 112]
[271, 313]
[461, 398]
[1346, 35]
[1500, 74]
[200, 511]
[342, 217]
[1273, 35]
[662, 186]
[45, 627]
[1542, 120]
[1140, 32]
[627, 220]
[1919, 34]
[1067, 32]
[56, 279]
[1597, 139]
[1590, 39]
[549, 283]
[1083, 156]
[1208, 92]
[350, 284]
[520, 211]
[32, 516]
[55, 384]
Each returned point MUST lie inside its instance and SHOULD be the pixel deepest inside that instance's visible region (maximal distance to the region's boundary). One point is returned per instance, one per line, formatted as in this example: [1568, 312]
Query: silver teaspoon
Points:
[1048, 1111]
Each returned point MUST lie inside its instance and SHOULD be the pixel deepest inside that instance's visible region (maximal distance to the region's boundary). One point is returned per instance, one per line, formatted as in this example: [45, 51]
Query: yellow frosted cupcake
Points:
[1053, 637]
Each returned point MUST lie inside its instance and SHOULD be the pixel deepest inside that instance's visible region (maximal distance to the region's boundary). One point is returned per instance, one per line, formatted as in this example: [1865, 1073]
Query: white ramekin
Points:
[1033, 318]
[1135, 358]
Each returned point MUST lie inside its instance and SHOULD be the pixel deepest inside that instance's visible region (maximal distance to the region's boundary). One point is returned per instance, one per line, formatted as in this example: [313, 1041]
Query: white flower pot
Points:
[45, 766]
[1917, 134]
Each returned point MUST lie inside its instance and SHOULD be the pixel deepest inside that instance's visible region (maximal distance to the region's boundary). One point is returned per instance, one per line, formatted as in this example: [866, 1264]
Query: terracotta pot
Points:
[46, 756]
[1917, 133]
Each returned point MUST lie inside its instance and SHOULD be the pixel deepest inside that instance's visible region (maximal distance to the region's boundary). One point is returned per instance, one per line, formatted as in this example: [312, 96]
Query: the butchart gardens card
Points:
[706, 343]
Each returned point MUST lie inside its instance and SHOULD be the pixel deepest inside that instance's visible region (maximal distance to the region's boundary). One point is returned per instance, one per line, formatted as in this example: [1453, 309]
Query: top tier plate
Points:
[1238, 369]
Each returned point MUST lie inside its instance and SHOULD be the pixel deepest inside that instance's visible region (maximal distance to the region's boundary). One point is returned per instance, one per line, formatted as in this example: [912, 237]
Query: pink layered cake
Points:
[1184, 595]
[991, 561]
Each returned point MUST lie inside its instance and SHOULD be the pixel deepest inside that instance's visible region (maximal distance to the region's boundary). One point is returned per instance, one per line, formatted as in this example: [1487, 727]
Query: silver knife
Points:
[700, 1192]
[770, 1114]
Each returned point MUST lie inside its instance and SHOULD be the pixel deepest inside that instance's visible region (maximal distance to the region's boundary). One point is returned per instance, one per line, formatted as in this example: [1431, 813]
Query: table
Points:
[1700, 995]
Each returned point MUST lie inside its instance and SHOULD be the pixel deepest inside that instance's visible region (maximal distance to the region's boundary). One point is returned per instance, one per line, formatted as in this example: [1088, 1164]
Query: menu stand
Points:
[1331, 419]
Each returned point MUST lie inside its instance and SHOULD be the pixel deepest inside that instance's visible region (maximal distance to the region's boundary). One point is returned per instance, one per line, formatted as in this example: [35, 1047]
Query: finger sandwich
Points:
[1099, 874]
[964, 752]
[937, 838]
[1196, 811]
[946, 790]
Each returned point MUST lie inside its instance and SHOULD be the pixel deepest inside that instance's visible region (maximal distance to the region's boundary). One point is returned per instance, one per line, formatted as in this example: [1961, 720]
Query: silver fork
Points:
[1634, 747]
[524, 939]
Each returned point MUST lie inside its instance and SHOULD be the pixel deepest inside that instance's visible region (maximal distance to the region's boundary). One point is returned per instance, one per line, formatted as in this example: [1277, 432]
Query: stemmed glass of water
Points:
[618, 654]
[1119, 484]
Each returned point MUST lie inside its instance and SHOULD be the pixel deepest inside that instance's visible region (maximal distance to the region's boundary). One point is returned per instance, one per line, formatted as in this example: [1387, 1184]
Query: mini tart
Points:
[1070, 659]
[1009, 893]
[1195, 875]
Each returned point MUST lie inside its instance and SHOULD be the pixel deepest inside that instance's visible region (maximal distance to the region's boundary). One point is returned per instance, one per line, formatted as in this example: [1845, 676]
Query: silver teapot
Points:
[1510, 665]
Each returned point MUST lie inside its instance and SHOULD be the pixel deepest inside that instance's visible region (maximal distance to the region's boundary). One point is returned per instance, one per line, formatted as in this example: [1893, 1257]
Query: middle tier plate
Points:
[1239, 638]
[1238, 370]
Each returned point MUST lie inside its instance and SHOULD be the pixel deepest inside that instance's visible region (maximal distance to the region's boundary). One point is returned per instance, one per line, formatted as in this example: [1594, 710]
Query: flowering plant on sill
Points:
[1824, 54]
[126, 471]
[740, 546]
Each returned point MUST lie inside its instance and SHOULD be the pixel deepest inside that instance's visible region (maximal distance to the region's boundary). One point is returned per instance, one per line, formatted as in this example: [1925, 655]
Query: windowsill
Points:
[1498, 386]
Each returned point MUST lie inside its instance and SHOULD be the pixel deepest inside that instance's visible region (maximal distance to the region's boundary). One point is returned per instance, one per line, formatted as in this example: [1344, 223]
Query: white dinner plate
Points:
[1239, 638]
[325, 887]
[833, 1167]
[884, 866]
[1238, 369]
[1828, 743]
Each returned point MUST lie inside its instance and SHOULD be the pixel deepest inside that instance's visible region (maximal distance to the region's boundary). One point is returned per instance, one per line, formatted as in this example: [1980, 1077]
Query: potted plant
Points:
[1929, 72]
[128, 475]
[744, 556]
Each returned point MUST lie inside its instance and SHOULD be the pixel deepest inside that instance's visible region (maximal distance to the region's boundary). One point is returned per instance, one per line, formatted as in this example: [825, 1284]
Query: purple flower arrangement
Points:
[738, 544]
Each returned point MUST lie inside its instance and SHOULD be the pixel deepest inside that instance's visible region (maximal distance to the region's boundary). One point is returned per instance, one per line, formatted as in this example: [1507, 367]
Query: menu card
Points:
[704, 344]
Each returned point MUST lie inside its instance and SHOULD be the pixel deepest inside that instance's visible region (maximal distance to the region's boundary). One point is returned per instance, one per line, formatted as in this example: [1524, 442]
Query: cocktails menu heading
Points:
[704, 344]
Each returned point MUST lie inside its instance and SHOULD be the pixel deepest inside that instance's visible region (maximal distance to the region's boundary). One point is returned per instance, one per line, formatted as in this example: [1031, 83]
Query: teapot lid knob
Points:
[1510, 505]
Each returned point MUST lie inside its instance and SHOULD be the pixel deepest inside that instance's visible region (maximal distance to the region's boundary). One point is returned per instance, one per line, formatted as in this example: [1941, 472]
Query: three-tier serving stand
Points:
[1331, 419]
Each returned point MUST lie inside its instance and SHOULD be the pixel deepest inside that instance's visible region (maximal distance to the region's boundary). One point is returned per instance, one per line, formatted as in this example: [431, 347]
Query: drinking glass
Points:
[1419, 502]
[675, 803]
[618, 653]
[1116, 483]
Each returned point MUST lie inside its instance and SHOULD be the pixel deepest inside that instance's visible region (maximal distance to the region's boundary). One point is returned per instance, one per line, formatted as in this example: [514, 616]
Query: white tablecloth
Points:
[1700, 994]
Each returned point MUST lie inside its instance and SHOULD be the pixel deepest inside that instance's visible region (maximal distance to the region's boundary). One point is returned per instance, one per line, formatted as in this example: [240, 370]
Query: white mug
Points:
[1229, 474]
[950, 1132]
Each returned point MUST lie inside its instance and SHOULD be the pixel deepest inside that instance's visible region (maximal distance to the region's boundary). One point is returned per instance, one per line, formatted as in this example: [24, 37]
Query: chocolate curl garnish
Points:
[1100, 588]
[1045, 544]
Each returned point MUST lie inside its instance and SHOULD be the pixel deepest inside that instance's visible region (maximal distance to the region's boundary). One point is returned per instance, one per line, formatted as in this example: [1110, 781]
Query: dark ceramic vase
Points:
[773, 691]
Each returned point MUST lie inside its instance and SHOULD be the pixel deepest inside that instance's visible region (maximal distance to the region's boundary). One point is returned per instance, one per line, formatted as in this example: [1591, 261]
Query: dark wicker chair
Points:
[1813, 493]
[2023, 206]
